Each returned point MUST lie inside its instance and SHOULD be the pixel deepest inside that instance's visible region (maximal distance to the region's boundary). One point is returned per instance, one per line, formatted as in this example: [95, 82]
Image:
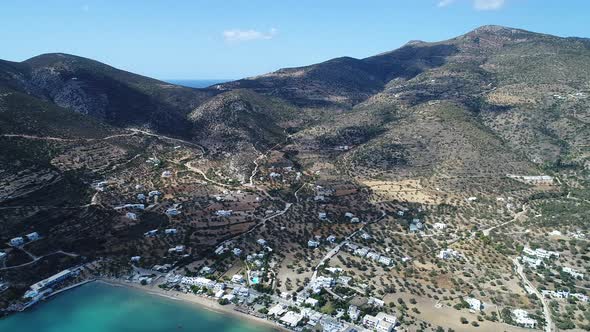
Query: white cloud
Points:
[237, 35]
[488, 4]
[477, 4]
[444, 3]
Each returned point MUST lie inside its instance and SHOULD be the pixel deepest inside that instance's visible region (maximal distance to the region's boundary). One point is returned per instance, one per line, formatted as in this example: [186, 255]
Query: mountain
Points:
[444, 132]
[117, 97]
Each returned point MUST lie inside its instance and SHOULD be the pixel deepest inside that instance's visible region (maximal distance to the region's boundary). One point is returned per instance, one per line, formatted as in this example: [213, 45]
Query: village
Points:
[308, 249]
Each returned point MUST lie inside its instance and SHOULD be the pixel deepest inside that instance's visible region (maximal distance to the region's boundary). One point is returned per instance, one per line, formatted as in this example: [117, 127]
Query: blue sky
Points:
[202, 39]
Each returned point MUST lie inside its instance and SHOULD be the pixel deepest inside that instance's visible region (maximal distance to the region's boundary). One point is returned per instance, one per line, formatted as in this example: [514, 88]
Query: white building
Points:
[362, 252]
[224, 213]
[241, 291]
[313, 244]
[474, 304]
[261, 242]
[135, 259]
[439, 225]
[237, 279]
[540, 253]
[581, 297]
[151, 233]
[375, 302]
[33, 236]
[323, 215]
[170, 231]
[2, 254]
[237, 251]
[291, 318]
[373, 255]
[521, 317]
[277, 310]
[573, 273]
[131, 215]
[166, 174]
[199, 282]
[353, 312]
[320, 283]
[17, 241]
[178, 249]
[331, 239]
[311, 301]
[154, 193]
[531, 262]
[45, 283]
[385, 260]
[366, 236]
[172, 212]
[344, 280]
[220, 250]
[334, 269]
[448, 254]
[381, 323]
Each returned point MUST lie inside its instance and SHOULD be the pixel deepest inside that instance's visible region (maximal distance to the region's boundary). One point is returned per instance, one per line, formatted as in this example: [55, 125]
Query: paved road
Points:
[36, 259]
[527, 283]
[516, 217]
[336, 249]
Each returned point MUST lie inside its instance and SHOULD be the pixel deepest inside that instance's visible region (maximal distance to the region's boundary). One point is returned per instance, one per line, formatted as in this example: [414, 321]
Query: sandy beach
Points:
[199, 301]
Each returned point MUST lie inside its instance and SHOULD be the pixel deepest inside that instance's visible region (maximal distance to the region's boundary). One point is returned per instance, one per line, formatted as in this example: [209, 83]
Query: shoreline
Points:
[200, 302]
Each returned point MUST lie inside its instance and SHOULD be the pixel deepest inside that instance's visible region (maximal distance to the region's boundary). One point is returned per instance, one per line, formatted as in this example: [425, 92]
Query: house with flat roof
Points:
[474, 304]
[17, 241]
[32, 236]
[223, 213]
[353, 312]
[46, 283]
[311, 301]
[573, 273]
[172, 212]
[521, 318]
[381, 323]
[277, 310]
[291, 318]
[313, 243]
[373, 301]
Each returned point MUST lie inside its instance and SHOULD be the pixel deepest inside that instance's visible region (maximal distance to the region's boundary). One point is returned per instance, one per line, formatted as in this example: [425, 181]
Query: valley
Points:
[438, 187]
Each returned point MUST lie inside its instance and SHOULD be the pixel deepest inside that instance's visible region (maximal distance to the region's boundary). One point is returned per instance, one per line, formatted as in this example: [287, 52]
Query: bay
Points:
[97, 307]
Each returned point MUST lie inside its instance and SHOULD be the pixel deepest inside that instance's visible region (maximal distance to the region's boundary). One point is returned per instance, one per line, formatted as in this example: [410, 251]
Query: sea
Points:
[98, 307]
[197, 83]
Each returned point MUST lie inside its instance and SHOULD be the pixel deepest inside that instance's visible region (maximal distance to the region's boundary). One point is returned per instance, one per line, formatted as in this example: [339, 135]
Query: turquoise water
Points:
[97, 307]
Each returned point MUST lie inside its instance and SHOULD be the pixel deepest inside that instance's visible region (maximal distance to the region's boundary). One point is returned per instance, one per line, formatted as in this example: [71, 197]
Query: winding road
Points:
[529, 285]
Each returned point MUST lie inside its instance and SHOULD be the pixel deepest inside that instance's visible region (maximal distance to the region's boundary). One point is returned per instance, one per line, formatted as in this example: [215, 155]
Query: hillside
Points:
[117, 97]
[420, 174]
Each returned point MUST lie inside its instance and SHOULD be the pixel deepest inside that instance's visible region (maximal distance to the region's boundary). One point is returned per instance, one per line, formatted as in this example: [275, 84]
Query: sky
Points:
[231, 39]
